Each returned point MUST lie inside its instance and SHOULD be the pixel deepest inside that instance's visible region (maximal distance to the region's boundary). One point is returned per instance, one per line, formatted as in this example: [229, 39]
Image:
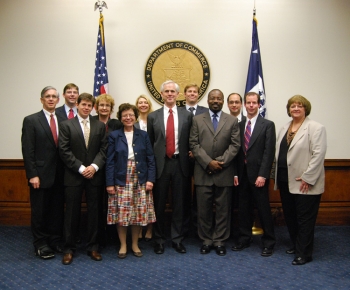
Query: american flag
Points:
[101, 75]
[255, 79]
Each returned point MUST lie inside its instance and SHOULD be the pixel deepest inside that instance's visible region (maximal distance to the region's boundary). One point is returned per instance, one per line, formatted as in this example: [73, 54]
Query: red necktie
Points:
[71, 114]
[247, 135]
[53, 129]
[170, 135]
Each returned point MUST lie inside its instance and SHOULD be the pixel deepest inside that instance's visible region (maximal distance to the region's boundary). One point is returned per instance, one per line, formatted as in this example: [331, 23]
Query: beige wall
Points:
[304, 44]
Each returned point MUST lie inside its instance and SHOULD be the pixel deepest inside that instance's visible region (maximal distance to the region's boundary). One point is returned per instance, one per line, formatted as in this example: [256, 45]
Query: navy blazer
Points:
[117, 158]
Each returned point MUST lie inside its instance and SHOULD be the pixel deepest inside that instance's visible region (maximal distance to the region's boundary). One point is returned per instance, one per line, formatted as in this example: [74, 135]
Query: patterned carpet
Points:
[20, 269]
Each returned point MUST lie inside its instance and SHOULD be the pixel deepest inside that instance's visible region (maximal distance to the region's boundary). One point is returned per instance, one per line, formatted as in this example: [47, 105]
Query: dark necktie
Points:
[71, 114]
[191, 109]
[53, 129]
[247, 134]
[170, 135]
[215, 121]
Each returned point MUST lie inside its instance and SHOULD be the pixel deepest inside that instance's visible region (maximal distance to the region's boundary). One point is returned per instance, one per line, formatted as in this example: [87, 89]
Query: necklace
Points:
[291, 133]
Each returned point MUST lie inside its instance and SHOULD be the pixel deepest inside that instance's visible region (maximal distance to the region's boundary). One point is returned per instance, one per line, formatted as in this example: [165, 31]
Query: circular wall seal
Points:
[180, 62]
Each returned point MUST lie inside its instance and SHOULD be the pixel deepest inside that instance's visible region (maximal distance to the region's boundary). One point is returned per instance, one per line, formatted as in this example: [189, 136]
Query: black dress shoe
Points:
[205, 249]
[291, 251]
[159, 249]
[266, 252]
[220, 250]
[57, 249]
[180, 248]
[240, 247]
[301, 261]
[45, 252]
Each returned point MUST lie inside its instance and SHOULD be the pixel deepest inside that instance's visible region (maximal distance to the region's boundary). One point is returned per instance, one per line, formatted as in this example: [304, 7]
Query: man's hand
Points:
[214, 166]
[190, 155]
[260, 181]
[35, 182]
[89, 172]
[235, 181]
[111, 189]
[304, 186]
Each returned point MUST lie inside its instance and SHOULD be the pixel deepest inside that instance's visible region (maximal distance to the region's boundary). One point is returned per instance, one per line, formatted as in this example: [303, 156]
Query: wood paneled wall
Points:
[334, 208]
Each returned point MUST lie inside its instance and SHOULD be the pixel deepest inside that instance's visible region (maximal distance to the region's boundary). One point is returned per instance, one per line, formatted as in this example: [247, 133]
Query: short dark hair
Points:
[126, 106]
[70, 86]
[240, 98]
[251, 94]
[86, 97]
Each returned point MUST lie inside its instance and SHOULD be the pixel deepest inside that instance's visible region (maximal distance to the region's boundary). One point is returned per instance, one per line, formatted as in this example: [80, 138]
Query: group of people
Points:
[128, 166]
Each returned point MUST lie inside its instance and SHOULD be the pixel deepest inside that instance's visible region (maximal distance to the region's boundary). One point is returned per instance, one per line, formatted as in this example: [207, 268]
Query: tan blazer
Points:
[305, 157]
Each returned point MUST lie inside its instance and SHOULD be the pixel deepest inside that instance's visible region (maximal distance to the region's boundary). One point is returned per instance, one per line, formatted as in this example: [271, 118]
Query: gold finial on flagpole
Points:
[100, 4]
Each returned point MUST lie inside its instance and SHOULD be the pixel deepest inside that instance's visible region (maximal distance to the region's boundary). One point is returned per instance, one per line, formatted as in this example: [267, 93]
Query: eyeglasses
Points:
[296, 106]
[128, 115]
[104, 105]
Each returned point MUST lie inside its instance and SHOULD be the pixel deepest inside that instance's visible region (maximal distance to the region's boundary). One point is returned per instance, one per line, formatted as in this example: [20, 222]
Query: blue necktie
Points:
[215, 122]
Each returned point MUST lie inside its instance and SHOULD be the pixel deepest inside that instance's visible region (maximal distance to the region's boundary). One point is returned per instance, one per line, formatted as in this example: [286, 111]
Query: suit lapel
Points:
[222, 121]
[301, 132]
[257, 129]
[208, 122]
[43, 122]
[160, 117]
[180, 117]
[76, 125]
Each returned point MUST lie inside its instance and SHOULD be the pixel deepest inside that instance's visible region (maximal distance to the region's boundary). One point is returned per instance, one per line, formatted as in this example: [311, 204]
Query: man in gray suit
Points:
[214, 141]
[168, 129]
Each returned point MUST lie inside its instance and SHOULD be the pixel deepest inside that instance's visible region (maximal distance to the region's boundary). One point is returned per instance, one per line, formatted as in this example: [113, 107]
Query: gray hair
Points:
[49, 88]
[177, 87]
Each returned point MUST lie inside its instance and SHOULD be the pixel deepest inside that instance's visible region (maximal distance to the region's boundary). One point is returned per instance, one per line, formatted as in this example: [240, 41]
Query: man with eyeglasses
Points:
[44, 171]
[69, 108]
[214, 142]
[168, 129]
[82, 147]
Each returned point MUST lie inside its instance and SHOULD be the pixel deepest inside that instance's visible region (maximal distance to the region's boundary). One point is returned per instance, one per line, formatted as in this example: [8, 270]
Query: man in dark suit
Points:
[45, 175]
[82, 147]
[234, 104]
[254, 165]
[69, 109]
[214, 141]
[191, 92]
[168, 129]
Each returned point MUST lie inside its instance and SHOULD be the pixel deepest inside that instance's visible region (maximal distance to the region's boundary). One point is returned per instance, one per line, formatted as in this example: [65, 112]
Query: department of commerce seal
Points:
[180, 62]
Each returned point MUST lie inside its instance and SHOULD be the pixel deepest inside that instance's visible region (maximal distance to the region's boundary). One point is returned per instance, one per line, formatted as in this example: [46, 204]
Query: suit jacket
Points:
[198, 111]
[74, 153]
[61, 112]
[39, 150]
[207, 145]
[156, 133]
[112, 124]
[305, 156]
[117, 158]
[261, 150]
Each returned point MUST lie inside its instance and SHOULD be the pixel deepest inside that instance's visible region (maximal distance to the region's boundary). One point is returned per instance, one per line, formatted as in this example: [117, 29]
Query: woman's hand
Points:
[111, 189]
[304, 187]
[149, 186]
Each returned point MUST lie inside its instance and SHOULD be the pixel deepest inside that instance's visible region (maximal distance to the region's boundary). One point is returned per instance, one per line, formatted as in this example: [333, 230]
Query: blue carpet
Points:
[20, 269]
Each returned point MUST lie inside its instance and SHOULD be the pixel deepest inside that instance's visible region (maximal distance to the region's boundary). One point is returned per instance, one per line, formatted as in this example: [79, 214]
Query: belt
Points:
[175, 156]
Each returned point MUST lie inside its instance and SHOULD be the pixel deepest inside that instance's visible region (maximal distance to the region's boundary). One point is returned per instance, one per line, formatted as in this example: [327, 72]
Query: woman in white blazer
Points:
[299, 175]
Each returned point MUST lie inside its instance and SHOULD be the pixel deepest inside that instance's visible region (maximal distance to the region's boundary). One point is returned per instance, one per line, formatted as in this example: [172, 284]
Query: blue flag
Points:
[101, 75]
[255, 80]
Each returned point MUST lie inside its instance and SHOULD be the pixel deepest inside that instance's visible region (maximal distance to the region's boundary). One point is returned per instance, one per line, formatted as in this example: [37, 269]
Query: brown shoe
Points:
[67, 259]
[96, 256]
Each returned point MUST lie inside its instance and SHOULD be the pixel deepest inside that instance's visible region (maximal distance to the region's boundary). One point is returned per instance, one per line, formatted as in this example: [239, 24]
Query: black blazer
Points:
[156, 132]
[61, 112]
[261, 150]
[74, 153]
[112, 124]
[40, 154]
